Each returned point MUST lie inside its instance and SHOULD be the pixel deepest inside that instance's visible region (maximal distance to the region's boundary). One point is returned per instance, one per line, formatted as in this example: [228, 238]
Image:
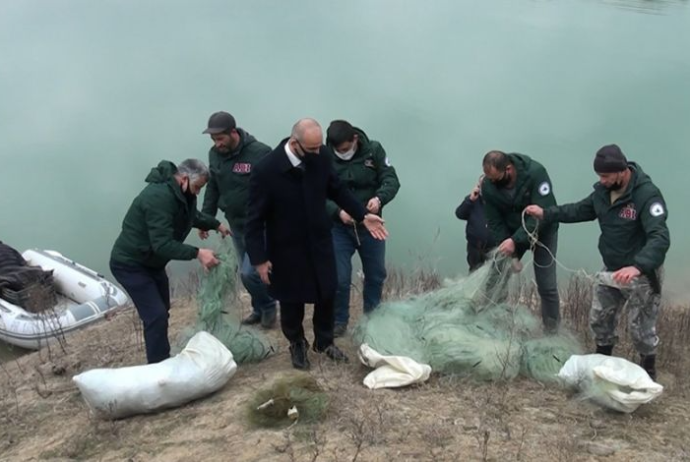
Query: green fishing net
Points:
[467, 327]
[219, 312]
[295, 397]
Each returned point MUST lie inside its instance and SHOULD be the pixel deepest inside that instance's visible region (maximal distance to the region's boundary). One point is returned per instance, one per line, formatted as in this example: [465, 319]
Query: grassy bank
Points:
[43, 417]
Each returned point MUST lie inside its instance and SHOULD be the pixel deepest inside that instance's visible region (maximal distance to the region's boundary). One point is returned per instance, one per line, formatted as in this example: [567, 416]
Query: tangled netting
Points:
[219, 312]
[468, 328]
[295, 397]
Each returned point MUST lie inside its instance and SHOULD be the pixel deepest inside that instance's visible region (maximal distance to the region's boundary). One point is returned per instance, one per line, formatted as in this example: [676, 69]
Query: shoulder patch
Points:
[544, 188]
[387, 162]
[656, 209]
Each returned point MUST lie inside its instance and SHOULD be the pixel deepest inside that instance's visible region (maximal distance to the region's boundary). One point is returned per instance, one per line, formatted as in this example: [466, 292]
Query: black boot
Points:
[298, 354]
[268, 319]
[339, 330]
[333, 353]
[254, 318]
[604, 350]
[648, 364]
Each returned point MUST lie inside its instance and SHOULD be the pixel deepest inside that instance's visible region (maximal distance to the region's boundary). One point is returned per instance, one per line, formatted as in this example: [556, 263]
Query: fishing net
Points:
[220, 316]
[296, 397]
[467, 327]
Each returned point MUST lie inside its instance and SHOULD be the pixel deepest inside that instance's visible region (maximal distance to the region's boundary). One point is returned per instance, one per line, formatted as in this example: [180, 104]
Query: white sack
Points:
[609, 381]
[391, 371]
[204, 366]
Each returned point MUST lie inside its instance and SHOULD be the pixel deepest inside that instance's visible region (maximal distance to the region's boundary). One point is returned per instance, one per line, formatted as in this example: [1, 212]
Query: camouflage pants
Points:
[642, 304]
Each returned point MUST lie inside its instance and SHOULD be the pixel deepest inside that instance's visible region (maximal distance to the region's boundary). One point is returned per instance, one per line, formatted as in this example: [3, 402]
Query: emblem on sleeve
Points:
[387, 162]
[656, 209]
[544, 188]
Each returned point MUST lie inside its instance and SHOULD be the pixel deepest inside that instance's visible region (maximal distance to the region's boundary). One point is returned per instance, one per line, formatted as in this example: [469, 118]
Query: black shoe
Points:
[334, 353]
[254, 318]
[298, 354]
[604, 350]
[268, 319]
[648, 363]
[339, 330]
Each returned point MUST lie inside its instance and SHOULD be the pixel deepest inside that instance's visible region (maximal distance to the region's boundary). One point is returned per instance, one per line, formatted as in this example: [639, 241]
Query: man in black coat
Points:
[288, 234]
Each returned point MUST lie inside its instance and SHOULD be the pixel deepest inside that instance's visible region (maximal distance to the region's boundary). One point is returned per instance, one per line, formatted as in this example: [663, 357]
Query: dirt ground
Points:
[43, 417]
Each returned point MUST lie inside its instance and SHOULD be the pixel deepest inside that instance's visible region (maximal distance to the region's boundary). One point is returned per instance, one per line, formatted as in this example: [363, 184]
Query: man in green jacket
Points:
[362, 165]
[231, 160]
[512, 182]
[153, 233]
[634, 240]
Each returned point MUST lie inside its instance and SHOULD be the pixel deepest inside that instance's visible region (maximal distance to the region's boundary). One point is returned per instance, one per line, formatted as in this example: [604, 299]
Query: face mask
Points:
[306, 156]
[617, 186]
[188, 192]
[309, 158]
[347, 155]
[503, 181]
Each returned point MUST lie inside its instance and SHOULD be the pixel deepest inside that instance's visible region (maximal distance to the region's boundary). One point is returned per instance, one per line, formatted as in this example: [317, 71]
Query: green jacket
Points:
[158, 222]
[368, 174]
[228, 187]
[504, 212]
[633, 229]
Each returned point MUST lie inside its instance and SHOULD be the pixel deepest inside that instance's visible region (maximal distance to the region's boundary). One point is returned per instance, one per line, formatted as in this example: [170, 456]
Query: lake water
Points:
[93, 94]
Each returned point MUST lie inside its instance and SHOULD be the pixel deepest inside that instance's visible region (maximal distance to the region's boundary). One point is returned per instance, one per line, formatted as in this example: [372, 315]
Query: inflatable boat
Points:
[83, 297]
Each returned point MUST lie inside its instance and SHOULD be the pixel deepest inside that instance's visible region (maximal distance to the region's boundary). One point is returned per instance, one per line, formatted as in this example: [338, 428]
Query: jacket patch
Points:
[387, 162]
[369, 163]
[544, 188]
[242, 167]
[656, 209]
[628, 212]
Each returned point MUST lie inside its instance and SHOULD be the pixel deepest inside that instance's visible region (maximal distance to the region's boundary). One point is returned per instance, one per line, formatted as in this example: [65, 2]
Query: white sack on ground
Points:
[609, 381]
[204, 366]
[391, 371]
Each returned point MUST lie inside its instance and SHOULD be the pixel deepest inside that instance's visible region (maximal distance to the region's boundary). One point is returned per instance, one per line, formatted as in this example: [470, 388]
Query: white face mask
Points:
[348, 154]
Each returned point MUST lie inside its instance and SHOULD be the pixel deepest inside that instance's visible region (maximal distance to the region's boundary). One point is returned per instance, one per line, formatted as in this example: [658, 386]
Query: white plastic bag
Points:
[204, 366]
[391, 371]
[609, 381]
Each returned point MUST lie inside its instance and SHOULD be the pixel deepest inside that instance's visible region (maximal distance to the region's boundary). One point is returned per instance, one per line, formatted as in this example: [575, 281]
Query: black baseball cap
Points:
[220, 122]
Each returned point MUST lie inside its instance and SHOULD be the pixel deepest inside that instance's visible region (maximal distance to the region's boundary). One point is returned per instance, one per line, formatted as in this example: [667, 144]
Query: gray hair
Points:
[302, 126]
[194, 169]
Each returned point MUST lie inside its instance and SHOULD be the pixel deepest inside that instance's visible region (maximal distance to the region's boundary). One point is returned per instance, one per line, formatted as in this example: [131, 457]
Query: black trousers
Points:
[149, 290]
[476, 254]
[292, 316]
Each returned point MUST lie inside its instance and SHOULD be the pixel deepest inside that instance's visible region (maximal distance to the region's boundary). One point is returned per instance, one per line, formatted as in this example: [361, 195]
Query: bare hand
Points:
[535, 211]
[626, 275]
[507, 247]
[474, 195]
[207, 258]
[515, 265]
[264, 270]
[374, 225]
[346, 218]
[224, 231]
[203, 234]
[374, 205]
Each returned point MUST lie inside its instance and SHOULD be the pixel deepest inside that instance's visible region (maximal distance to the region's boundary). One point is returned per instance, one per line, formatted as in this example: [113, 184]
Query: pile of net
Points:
[220, 314]
[296, 397]
[468, 328]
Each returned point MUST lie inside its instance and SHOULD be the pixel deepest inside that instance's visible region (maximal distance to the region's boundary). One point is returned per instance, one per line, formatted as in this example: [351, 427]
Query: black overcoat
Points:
[287, 224]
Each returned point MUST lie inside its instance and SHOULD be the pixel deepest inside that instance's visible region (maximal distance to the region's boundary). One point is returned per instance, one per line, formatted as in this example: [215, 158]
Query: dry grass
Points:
[42, 415]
